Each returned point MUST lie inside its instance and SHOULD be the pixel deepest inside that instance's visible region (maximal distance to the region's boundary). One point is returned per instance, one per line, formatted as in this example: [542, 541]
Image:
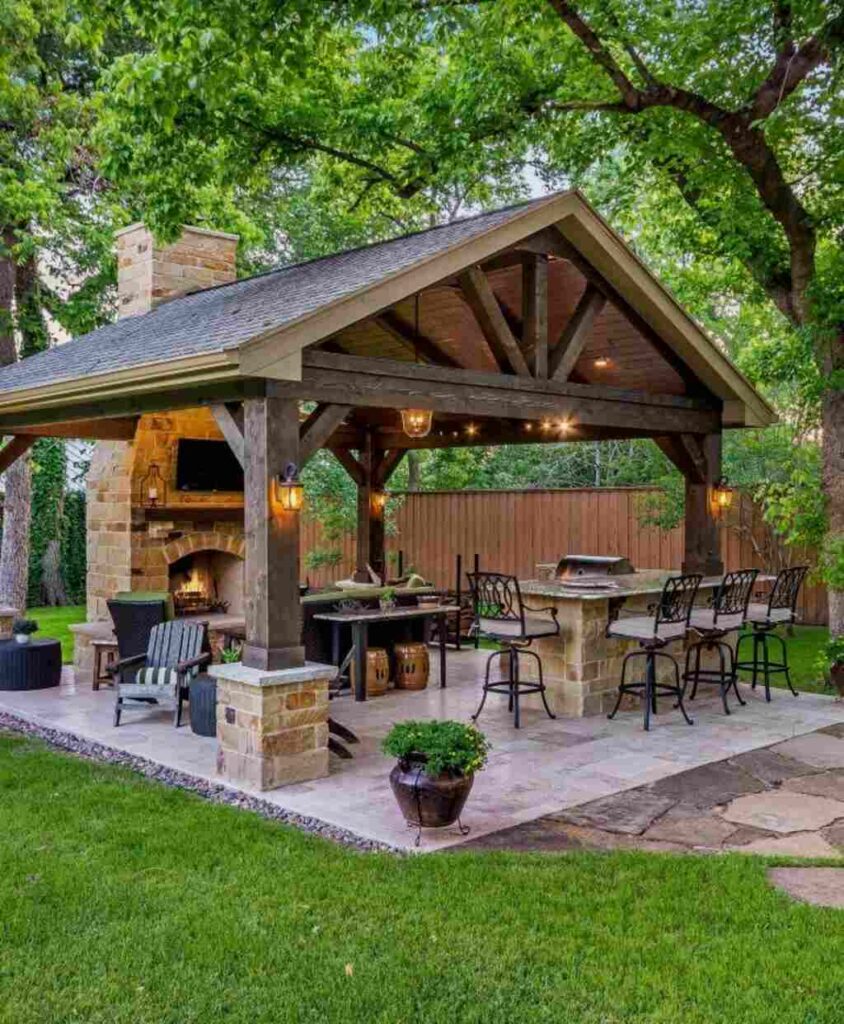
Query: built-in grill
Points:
[591, 567]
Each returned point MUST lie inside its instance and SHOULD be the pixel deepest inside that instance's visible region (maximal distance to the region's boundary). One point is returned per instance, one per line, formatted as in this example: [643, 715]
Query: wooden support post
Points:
[703, 548]
[271, 577]
[366, 530]
[535, 313]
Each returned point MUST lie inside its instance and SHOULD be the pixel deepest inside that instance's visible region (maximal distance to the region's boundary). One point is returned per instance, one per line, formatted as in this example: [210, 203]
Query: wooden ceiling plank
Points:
[429, 350]
[494, 327]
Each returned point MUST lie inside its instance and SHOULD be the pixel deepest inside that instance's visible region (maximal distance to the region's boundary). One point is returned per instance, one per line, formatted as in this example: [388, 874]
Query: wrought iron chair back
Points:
[733, 595]
[786, 588]
[677, 598]
[496, 596]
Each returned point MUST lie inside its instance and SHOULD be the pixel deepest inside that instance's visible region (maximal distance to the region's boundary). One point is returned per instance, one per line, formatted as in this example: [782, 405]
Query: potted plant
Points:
[231, 655]
[831, 663]
[22, 629]
[387, 600]
[437, 761]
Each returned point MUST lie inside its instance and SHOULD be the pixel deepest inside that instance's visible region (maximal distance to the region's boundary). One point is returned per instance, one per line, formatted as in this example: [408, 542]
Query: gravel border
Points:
[213, 792]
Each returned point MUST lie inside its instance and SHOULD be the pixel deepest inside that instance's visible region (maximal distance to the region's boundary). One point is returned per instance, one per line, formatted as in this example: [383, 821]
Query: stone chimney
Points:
[149, 274]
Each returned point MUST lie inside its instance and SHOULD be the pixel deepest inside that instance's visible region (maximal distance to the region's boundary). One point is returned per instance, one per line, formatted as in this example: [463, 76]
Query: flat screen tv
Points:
[207, 466]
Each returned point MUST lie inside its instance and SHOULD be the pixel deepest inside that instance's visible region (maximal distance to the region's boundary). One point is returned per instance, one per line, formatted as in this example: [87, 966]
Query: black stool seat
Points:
[36, 665]
[669, 621]
[763, 619]
[726, 614]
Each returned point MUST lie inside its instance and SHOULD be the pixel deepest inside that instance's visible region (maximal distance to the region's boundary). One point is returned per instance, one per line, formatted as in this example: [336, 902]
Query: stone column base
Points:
[272, 726]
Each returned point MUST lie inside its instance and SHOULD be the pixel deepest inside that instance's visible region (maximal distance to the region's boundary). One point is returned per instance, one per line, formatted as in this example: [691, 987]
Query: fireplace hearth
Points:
[207, 581]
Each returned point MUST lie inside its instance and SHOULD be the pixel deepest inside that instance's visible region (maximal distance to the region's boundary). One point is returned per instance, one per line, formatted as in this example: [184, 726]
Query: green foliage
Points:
[24, 627]
[831, 562]
[231, 655]
[830, 656]
[446, 746]
[74, 561]
[49, 471]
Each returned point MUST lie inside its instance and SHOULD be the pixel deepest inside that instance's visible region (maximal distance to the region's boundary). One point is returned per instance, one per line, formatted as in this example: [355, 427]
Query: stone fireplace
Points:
[207, 581]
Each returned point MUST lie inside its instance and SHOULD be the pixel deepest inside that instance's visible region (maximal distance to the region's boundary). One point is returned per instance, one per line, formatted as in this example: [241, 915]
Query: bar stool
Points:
[669, 621]
[727, 613]
[763, 619]
[500, 615]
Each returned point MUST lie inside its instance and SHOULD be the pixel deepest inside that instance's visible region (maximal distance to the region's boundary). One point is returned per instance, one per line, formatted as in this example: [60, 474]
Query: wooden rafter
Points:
[687, 454]
[231, 430]
[118, 429]
[418, 344]
[354, 468]
[15, 448]
[387, 465]
[575, 334]
[492, 322]
[317, 429]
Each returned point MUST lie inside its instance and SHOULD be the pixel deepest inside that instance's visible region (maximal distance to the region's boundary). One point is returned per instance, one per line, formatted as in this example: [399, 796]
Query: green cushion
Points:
[131, 596]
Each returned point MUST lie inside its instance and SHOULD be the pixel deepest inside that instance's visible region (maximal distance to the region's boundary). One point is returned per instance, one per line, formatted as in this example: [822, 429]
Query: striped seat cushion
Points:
[154, 681]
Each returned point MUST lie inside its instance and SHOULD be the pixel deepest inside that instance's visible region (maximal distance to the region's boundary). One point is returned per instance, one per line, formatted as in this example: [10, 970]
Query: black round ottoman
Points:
[33, 666]
[203, 705]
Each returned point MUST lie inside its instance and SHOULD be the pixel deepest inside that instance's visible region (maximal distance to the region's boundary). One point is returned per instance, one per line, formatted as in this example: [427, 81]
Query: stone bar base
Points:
[272, 725]
[582, 667]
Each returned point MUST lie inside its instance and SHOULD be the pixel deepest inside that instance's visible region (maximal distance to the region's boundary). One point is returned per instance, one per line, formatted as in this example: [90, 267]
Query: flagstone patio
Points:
[538, 774]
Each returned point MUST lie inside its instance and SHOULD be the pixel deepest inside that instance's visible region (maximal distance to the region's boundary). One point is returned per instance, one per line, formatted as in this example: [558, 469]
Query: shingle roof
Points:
[227, 316]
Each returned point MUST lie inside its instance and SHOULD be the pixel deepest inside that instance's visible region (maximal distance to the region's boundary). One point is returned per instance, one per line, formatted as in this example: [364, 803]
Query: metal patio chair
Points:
[501, 616]
[175, 653]
[726, 614]
[763, 619]
[669, 621]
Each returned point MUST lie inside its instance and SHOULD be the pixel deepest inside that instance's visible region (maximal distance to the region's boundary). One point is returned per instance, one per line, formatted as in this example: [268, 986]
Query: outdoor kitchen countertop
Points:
[645, 581]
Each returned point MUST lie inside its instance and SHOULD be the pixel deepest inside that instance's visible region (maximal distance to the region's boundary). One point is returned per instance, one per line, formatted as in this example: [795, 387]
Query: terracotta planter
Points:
[836, 675]
[425, 801]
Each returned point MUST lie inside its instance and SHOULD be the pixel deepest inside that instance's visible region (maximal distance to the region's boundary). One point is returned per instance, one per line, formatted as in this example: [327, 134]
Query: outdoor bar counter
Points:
[582, 668]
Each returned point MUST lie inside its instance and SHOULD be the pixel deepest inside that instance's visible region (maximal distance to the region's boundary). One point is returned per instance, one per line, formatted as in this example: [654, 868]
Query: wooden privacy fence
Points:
[513, 530]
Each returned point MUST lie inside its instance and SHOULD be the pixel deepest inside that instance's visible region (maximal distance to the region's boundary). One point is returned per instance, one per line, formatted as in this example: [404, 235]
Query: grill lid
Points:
[592, 566]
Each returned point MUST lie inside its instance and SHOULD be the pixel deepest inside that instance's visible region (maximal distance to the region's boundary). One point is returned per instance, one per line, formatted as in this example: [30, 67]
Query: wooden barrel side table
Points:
[413, 666]
[33, 666]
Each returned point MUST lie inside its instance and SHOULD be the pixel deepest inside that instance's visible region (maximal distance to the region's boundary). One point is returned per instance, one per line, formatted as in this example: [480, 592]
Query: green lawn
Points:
[803, 649]
[124, 901]
[54, 622]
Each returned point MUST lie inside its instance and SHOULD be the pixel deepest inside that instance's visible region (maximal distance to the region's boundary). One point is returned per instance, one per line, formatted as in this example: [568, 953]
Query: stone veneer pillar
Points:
[272, 726]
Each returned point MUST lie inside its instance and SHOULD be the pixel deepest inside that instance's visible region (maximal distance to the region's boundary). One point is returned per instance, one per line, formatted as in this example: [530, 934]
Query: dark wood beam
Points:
[120, 429]
[685, 451]
[402, 332]
[14, 449]
[576, 333]
[350, 463]
[387, 465]
[535, 314]
[318, 428]
[387, 383]
[231, 431]
[483, 303]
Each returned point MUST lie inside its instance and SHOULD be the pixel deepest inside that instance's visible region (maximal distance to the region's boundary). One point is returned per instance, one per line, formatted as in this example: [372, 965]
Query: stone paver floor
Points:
[821, 886]
[785, 799]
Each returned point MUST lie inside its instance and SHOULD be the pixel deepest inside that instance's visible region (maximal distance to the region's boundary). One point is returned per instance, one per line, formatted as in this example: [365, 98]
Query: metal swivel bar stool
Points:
[500, 615]
[763, 619]
[727, 613]
[669, 621]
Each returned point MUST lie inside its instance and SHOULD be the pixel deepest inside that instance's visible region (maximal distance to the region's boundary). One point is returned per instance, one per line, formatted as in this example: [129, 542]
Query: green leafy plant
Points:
[830, 655]
[24, 627]
[444, 746]
[388, 594]
[230, 655]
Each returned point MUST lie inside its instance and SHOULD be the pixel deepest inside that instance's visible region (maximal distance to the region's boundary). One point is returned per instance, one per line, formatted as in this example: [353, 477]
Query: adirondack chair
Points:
[175, 653]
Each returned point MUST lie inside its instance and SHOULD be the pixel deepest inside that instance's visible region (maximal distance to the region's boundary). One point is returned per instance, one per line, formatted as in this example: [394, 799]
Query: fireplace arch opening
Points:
[207, 581]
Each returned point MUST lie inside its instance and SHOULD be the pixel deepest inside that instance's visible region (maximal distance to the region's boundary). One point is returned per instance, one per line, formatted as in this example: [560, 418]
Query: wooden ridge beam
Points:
[576, 333]
[315, 432]
[14, 449]
[402, 332]
[482, 301]
[231, 430]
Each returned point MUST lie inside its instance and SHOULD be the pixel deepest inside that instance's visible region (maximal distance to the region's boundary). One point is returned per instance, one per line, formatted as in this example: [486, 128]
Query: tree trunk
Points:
[413, 475]
[14, 550]
[52, 584]
[833, 471]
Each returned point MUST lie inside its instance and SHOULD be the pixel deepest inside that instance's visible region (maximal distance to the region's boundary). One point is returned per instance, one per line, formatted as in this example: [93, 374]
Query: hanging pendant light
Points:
[416, 422]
